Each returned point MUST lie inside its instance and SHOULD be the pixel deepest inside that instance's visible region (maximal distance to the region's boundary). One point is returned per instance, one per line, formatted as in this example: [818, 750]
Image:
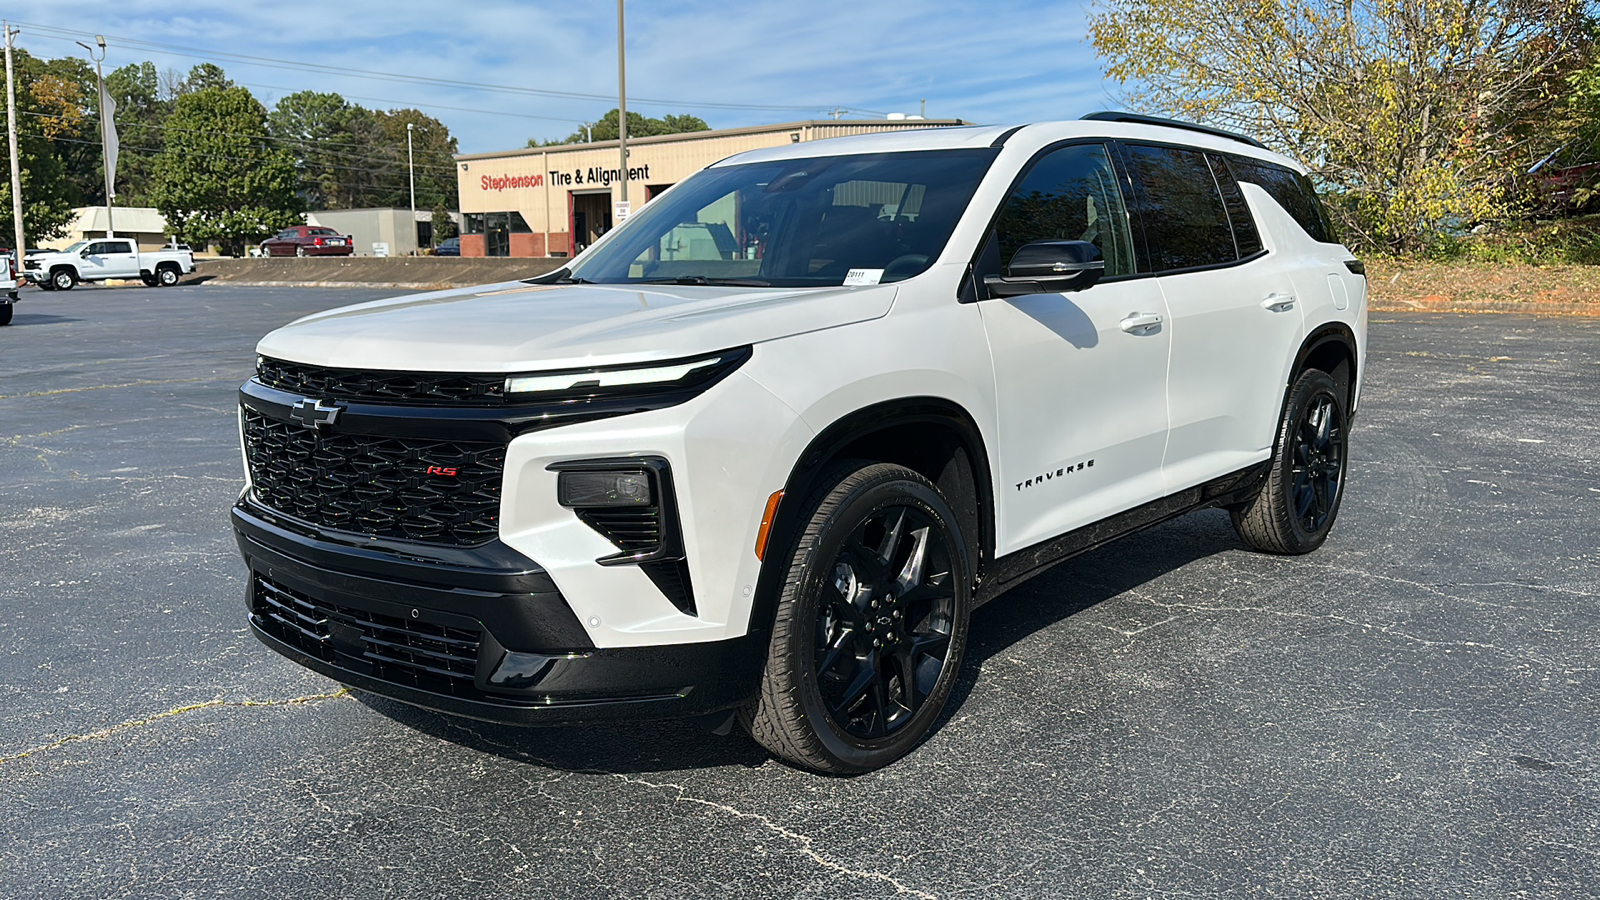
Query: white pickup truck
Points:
[103, 258]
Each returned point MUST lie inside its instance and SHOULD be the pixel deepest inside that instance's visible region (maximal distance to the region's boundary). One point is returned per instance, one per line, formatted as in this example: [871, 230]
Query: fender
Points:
[965, 481]
[1320, 338]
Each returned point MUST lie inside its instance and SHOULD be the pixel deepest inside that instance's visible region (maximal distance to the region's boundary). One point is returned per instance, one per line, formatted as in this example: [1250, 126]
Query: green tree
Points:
[219, 178]
[638, 126]
[433, 151]
[331, 140]
[50, 116]
[1415, 114]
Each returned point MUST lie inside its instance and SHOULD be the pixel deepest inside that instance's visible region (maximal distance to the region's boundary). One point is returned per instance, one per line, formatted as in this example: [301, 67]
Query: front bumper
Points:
[478, 632]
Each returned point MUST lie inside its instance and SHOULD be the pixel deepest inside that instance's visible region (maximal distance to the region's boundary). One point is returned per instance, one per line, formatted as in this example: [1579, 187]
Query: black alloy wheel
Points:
[871, 625]
[1300, 499]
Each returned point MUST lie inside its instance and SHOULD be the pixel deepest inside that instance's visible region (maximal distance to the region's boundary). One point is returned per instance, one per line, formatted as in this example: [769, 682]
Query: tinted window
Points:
[1246, 240]
[1069, 195]
[1293, 192]
[831, 220]
[315, 231]
[118, 247]
[1184, 217]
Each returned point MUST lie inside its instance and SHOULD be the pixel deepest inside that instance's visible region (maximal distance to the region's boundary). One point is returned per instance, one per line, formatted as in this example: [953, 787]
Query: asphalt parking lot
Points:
[1410, 712]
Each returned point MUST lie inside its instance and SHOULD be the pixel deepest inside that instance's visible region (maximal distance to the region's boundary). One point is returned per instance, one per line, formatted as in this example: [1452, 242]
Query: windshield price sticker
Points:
[863, 276]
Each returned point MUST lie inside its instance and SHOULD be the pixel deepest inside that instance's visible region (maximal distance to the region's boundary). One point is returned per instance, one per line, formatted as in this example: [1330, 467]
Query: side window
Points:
[1185, 219]
[96, 248]
[1246, 240]
[118, 247]
[1293, 192]
[1069, 195]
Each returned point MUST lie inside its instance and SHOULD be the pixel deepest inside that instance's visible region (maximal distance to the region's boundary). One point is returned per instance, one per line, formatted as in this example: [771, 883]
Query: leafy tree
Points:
[638, 126]
[204, 77]
[433, 150]
[443, 226]
[1415, 114]
[50, 112]
[219, 178]
[331, 139]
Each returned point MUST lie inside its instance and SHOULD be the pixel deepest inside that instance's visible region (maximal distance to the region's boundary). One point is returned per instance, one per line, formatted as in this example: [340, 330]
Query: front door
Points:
[1081, 385]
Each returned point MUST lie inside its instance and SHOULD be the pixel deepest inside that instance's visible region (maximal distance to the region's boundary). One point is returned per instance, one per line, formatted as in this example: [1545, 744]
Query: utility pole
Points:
[622, 105]
[411, 171]
[16, 169]
[105, 121]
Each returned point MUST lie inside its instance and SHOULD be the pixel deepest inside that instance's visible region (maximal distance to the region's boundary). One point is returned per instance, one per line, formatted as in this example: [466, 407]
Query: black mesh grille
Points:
[408, 388]
[378, 486]
[434, 658]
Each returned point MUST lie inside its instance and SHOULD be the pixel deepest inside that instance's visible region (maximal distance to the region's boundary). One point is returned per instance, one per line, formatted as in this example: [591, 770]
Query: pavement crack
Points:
[168, 714]
[803, 841]
[143, 382]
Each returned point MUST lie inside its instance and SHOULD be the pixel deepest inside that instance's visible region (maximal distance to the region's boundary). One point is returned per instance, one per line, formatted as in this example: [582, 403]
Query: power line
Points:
[271, 62]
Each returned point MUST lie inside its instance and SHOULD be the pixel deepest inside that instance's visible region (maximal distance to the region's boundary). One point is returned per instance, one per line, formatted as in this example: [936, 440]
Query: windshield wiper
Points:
[701, 279]
[560, 276]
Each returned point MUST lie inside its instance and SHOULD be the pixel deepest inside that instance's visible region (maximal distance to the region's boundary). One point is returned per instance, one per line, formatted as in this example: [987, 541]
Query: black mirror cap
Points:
[1049, 267]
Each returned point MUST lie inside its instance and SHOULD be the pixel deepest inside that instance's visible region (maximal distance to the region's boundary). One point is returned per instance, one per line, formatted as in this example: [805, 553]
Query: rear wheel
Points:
[5, 313]
[167, 274]
[63, 279]
[1297, 506]
[148, 279]
[871, 625]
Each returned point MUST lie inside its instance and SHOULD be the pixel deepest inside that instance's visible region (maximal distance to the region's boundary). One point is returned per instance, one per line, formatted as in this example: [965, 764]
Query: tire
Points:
[5, 313]
[63, 279]
[300, 251]
[1298, 504]
[866, 643]
[148, 279]
[168, 275]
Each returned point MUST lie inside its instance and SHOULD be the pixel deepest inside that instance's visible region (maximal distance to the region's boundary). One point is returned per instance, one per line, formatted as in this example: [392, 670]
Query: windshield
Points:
[75, 247]
[829, 220]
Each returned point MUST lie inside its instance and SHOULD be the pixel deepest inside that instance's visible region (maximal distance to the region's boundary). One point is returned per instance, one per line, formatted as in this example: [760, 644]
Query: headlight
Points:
[649, 377]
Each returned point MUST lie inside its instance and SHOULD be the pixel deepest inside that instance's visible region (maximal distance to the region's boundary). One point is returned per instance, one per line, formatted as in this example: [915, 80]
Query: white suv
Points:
[758, 453]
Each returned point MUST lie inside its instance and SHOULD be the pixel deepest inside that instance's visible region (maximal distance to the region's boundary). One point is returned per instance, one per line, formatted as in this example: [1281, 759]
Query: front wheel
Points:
[300, 251]
[1297, 506]
[5, 313]
[871, 624]
[63, 279]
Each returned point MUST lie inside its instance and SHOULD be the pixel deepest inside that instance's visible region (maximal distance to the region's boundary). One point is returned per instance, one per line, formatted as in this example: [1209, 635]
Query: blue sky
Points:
[988, 62]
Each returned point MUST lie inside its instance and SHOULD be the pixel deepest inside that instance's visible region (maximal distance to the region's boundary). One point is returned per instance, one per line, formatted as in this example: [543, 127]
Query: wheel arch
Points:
[1331, 348]
[933, 436]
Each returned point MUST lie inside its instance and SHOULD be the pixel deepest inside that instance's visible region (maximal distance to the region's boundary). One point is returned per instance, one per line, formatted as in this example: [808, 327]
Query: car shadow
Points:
[657, 746]
[20, 319]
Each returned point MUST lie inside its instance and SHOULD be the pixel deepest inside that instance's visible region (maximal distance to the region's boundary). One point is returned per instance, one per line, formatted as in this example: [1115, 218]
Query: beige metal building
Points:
[554, 201]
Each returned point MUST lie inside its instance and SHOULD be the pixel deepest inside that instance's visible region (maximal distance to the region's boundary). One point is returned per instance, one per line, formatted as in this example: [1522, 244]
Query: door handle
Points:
[1140, 321]
[1278, 302]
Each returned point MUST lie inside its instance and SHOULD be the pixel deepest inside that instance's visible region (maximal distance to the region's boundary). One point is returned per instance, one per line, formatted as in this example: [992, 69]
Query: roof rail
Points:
[1138, 119]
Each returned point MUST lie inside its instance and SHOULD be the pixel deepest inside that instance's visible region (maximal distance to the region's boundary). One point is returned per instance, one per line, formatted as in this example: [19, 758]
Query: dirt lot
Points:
[1399, 285]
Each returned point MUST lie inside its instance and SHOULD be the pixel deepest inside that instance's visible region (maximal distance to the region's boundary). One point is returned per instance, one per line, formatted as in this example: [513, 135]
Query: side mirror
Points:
[1048, 267]
[84, 253]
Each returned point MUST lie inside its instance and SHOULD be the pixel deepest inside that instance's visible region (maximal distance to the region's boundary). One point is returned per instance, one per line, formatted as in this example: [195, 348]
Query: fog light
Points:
[589, 490]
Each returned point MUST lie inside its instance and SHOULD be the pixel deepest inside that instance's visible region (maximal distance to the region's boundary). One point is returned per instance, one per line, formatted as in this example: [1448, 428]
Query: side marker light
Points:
[767, 517]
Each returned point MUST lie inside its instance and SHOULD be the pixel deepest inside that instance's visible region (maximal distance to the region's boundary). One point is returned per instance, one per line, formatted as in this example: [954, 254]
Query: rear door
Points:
[120, 260]
[1235, 313]
[1080, 385]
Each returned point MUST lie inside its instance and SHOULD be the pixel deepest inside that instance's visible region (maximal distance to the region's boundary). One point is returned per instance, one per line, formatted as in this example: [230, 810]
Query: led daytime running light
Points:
[541, 384]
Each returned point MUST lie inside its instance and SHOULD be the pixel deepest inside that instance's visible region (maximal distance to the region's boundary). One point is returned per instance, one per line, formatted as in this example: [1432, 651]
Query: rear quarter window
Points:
[1293, 192]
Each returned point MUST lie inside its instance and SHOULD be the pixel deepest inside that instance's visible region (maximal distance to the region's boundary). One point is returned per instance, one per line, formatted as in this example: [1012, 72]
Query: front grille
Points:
[403, 388]
[379, 486]
[434, 658]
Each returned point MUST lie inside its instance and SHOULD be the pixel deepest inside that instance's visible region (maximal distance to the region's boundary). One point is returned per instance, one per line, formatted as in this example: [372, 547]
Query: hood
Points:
[522, 327]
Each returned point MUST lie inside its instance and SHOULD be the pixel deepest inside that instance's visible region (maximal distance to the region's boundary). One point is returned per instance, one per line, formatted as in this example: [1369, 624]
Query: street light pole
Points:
[622, 106]
[105, 133]
[16, 170]
[411, 170]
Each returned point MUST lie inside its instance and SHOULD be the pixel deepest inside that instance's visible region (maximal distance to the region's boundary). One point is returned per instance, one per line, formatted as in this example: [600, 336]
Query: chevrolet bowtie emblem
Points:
[313, 414]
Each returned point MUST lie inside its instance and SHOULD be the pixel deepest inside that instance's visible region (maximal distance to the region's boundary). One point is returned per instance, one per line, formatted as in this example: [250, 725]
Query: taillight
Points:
[317, 241]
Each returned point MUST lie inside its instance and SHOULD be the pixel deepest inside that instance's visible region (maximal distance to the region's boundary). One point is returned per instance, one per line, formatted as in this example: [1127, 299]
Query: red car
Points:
[308, 240]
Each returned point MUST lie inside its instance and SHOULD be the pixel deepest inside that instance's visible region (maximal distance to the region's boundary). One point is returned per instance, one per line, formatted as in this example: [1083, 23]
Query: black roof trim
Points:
[1004, 135]
[1138, 119]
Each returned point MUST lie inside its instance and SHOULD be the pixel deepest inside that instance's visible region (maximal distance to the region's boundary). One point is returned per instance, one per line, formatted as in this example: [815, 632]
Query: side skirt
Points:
[1012, 569]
